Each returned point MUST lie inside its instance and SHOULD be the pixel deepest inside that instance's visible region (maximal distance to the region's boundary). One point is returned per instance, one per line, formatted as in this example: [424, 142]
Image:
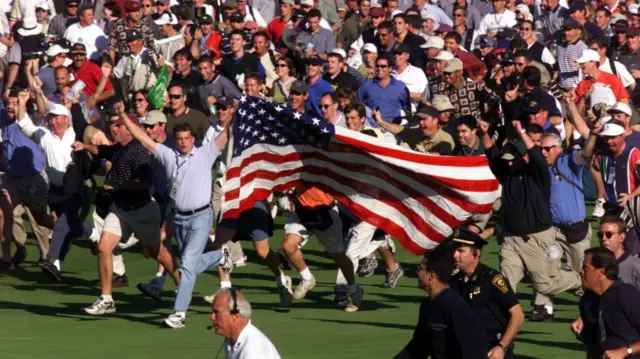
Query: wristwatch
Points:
[505, 348]
[629, 350]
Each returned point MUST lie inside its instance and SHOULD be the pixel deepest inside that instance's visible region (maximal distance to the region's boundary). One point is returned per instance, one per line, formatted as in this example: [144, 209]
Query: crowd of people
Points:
[144, 92]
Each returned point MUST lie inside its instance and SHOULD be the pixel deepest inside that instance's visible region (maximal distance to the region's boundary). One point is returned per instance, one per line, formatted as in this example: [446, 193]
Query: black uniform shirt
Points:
[620, 317]
[488, 293]
[447, 329]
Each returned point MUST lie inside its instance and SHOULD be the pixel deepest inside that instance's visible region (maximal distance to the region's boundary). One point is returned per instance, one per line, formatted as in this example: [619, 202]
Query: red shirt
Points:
[213, 44]
[276, 28]
[611, 80]
[90, 74]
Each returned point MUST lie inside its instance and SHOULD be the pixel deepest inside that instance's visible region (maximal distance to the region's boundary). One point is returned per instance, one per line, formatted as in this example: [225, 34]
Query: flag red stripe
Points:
[421, 158]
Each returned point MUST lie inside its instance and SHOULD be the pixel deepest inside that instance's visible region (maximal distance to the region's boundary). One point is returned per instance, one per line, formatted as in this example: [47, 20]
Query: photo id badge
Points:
[611, 175]
[174, 191]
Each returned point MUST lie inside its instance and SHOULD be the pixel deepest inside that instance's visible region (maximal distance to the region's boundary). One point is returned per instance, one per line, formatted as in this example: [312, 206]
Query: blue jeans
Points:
[192, 234]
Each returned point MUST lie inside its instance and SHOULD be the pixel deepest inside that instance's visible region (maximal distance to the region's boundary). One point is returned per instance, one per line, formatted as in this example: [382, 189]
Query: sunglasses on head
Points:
[175, 97]
[607, 234]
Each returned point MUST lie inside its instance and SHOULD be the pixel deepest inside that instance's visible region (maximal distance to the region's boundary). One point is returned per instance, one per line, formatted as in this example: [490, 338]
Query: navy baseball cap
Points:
[133, 35]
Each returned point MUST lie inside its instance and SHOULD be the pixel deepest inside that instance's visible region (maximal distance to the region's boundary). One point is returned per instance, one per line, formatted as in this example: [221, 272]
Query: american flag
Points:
[415, 197]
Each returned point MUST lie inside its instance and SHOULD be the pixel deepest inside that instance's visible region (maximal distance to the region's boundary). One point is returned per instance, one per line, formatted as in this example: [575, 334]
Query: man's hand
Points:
[119, 107]
[517, 125]
[377, 116]
[197, 35]
[569, 97]
[496, 353]
[106, 69]
[623, 198]
[576, 326]
[23, 97]
[484, 126]
[596, 127]
[77, 146]
[511, 95]
[36, 84]
[619, 353]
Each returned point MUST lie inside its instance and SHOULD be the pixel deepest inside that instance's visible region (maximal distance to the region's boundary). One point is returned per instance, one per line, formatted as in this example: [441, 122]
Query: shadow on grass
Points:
[373, 324]
[576, 346]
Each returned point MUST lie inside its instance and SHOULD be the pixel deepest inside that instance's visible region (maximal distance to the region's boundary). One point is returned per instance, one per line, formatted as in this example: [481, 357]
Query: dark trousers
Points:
[33, 192]
[69, 226]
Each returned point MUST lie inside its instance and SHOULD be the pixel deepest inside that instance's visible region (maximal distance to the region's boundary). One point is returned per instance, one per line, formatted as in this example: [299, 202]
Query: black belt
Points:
[135, 206]
[568, 224]
[193, 211]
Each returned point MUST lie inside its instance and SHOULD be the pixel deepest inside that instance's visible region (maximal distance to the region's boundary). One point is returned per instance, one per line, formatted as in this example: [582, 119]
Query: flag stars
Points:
[253, 104]
[282, 140]
[277, 108]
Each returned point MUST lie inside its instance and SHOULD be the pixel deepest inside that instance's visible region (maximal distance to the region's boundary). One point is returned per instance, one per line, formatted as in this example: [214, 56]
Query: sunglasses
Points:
[520, 63]
[607, 234]
[325, 106]
[381, 66]
[548, 148]
[140, 100]
[175, 97]
[282, 65]
[148, 127]
[72, 6]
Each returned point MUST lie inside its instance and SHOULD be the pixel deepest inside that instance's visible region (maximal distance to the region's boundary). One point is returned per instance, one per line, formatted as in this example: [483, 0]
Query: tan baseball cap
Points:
[154, 117]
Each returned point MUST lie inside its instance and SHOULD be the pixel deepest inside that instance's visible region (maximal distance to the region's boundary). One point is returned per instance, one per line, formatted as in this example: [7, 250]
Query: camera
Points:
[30, 55]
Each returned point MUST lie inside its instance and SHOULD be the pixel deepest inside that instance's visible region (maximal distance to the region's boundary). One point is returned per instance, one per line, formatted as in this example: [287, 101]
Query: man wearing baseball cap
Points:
[88, 72]
[568, 52]
[56, 56]
[44, 14]
[118, 44]
[427, 137]
[138, 77]
[412, 76]
[590, 64]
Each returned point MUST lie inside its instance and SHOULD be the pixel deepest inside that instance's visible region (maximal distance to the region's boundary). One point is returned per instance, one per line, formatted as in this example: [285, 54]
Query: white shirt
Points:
[91, 36]
[258, 18]
[493, 20]
[415, 79]
[251, 344]
[621, 70]
[23, 9]
[57, 151]
[440, 15]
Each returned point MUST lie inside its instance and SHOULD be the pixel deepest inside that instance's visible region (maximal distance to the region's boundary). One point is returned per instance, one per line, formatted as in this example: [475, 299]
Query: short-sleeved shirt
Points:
[442, 143]
[324, 41]
[129, 162]
[190, 174]
[90, 74]
[391, 99]
[610, 80]
[567, 201]
[48, 77]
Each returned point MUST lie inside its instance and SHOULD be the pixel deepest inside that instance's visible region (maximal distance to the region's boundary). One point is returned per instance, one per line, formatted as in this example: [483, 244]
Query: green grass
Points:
[44, 320]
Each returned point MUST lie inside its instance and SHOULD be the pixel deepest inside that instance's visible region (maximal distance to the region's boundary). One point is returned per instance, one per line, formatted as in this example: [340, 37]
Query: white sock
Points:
[549, 308]
[306, 274]
[212, 238]
[225, 284]
[352, 287]
[107, 298]
[281, 279]
[160, 274]
[58, 264]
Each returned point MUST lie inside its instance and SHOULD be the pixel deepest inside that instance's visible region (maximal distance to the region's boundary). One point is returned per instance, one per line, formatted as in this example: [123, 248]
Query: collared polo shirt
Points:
[23, 156]
[323, 41]
[568, 76]
[442, 143]
[251, 343]
[315, 92]
[190, 174]
[567, 202]
[619, 317]
[610, 80]
[391, 99]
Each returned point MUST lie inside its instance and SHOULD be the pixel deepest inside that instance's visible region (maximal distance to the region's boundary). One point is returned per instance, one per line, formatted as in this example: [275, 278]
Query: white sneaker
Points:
[94, 236]
[101, 307]
[303, 288]
[227, 267]
[176, 320]
[598, 208]
[151, 289]
[242, 262]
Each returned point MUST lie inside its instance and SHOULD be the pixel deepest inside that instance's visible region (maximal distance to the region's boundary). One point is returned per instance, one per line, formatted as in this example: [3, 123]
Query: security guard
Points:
[487, 292]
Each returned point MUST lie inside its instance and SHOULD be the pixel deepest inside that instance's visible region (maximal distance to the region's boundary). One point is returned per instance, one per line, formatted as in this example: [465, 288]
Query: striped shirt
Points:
[567, 54]
[129, 163]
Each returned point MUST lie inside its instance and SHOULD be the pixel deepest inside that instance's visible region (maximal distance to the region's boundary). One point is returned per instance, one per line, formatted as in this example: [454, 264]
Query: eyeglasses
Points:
[548, 148]
[282, 65]
[72, 6]
[140, 100]
[607, 234]
[381, 66]
[175, 97]
[325, 106]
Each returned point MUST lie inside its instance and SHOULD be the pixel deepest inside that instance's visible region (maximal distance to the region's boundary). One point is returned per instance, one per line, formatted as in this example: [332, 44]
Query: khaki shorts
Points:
[143, 222]
[331, 238]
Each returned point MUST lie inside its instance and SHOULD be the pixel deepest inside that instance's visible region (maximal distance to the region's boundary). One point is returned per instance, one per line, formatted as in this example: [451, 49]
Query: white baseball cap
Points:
[166, 18]
[605, 119]
[435, 42]
[429, 16]
[56, 50]
[588, 55]
[612, 129]
[442, 103]
[339, 51]
[633, 9]
[444, 55]
[57, 109]
[620, 107]
[523, 9]
[306, 2]
[43, 4]
[603, 94]
[370, 47]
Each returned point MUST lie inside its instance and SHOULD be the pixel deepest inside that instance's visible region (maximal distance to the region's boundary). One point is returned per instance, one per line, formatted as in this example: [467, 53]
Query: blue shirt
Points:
[567, 202]
[190, 174]
[391, 99]
[23, 156]
[316, 90]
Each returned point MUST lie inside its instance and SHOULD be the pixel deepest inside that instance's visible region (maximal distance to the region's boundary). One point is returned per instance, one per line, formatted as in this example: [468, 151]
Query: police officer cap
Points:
[463, 237]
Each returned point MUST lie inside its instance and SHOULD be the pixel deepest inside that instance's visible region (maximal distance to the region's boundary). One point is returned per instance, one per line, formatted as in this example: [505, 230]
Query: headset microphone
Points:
[209, 327]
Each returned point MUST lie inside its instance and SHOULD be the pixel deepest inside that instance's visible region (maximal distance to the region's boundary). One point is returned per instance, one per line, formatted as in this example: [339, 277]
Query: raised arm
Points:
[98, 93]
[389, 126]
[137, 132]
[24, 120]
[578, 120]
